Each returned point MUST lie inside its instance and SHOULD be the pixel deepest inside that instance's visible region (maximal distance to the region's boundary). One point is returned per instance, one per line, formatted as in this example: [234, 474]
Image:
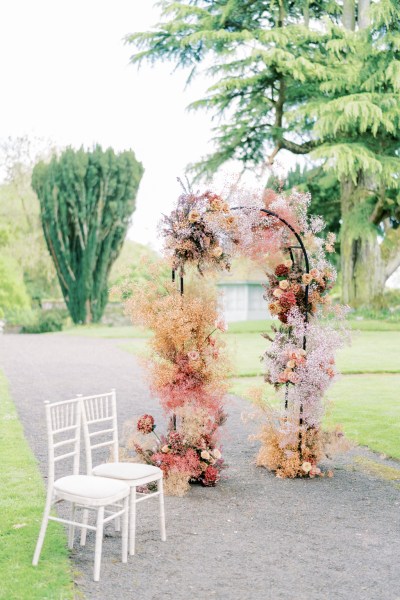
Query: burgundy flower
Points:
[281, 270]
[145, 424]
[287, 299]
[211, 476]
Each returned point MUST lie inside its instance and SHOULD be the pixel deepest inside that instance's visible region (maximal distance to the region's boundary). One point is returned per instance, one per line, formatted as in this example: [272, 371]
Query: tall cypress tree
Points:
[86, 201]
[284, 85]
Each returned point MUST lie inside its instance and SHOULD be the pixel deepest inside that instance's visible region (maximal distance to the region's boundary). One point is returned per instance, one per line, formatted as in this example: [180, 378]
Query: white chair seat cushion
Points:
[94, 488]
[126, 470]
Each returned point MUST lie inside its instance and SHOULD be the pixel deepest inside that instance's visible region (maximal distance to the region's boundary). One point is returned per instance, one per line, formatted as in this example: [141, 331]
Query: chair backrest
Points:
[64, 429]
[100, 427]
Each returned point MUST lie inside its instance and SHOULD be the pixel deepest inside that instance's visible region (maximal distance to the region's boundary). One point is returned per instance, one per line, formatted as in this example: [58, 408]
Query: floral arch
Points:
[188, 367]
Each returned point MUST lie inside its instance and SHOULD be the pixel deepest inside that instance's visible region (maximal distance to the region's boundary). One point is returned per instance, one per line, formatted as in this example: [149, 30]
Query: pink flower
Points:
[293, 377]
[145, 424]
[193, 355]
[221, 325]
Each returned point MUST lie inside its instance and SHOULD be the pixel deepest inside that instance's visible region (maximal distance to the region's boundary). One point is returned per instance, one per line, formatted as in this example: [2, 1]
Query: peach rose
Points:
[306, 466]
[293, 377]
[194, 216]
[205, 455]
[165, 449]
[277, 293]
[284, 284]
[291, 364]
[287, 263]
[274, 308]
[315, 274]
[217, 251]
[216, 453]
[215, 204]
[307, 278]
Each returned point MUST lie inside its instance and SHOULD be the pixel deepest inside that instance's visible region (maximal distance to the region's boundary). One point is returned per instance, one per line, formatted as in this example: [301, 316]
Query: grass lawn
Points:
[365, 400]
[367, 406]
[129, 331]
[21, 504]
[370, 352]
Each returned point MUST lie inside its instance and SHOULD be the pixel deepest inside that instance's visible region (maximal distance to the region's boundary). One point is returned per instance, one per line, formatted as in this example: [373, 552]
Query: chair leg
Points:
[132, 521]
[71, 530]
[85, 519]
[117, 524]
[43, 528]
[125, 531]
[160, 488]
[99, 543]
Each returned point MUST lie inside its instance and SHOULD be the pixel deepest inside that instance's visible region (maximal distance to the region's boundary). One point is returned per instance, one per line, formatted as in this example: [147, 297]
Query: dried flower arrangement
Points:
[300, 361]
[187, 366]
[187, 455]
[187, 371]
[199, 231]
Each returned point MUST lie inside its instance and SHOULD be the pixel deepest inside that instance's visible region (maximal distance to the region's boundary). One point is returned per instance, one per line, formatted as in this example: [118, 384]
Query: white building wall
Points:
[243, 301]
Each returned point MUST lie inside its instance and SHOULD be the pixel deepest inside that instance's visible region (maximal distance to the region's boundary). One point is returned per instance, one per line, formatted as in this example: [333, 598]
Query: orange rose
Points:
[274, 308]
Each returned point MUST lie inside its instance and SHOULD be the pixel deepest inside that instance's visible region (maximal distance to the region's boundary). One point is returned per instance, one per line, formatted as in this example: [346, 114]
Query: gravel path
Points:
[254, 537]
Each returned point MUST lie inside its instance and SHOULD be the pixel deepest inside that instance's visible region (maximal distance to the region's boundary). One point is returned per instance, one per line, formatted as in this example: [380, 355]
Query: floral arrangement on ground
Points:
[187, 370]
[300, 361]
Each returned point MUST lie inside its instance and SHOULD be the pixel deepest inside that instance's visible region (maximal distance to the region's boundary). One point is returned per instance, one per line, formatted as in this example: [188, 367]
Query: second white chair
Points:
[64, 428]
[99, 419]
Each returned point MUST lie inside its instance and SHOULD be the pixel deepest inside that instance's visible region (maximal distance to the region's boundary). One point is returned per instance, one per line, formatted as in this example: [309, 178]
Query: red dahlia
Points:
[281, 270]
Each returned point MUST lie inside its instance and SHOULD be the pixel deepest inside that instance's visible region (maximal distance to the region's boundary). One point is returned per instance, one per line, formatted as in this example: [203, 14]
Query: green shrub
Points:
[13, 294]
[46, 322]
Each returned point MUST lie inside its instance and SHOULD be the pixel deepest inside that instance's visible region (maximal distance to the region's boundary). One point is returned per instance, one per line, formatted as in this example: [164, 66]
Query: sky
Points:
[65, 76]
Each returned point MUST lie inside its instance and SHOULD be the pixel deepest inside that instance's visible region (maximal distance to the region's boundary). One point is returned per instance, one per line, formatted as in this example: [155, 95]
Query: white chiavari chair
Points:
[99, 419]
[82, 491]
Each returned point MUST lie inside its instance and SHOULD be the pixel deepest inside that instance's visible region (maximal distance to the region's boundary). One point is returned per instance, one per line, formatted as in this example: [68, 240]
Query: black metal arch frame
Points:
[307, 270]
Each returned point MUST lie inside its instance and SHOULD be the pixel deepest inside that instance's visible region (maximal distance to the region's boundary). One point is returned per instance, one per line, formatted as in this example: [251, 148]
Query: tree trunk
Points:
[349, 14]
[363, 13]
[363, 268]
[306, 13]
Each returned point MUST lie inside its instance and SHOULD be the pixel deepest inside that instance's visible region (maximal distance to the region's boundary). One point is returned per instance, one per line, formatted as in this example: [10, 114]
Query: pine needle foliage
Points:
[314, 78]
